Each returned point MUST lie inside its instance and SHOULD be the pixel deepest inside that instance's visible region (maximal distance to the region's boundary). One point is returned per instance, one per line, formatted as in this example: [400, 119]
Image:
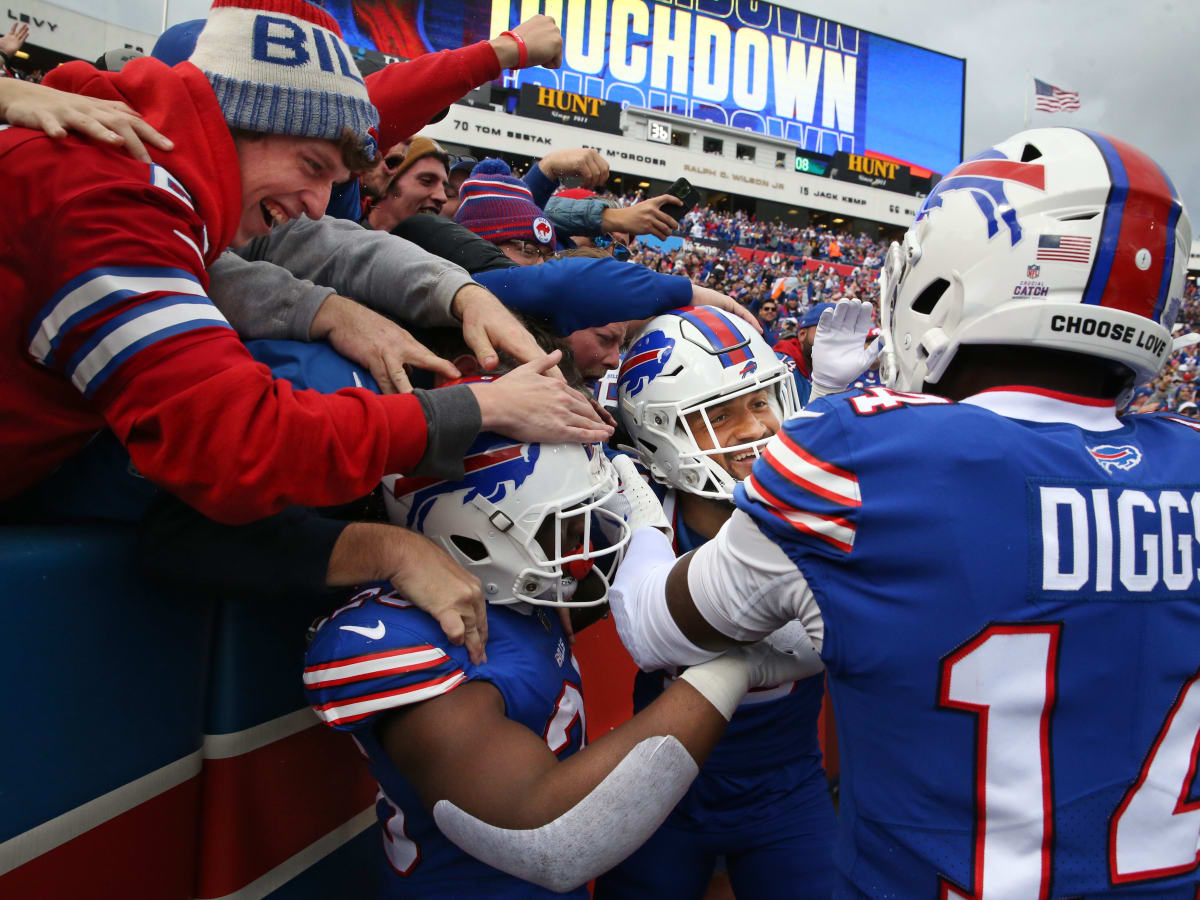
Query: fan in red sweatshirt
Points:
[102, 271]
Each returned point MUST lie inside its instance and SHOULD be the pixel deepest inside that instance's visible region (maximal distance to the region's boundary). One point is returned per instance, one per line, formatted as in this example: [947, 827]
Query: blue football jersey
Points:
[380, 653]
[1012, 637]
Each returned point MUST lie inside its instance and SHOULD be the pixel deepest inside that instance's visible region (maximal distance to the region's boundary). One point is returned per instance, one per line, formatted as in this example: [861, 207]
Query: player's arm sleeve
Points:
[262, 300]
[744, 585]
[409, 94]
[601, 291]
[138, 336]
[583, 217]
[379, 270]
[288, 551]
[352, 680]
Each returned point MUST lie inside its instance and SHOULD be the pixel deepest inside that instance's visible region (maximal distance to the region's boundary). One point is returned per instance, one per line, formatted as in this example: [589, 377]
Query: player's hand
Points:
[646, 217]
[543, 44]
[785, 655]
[488, 326]
[14, 40]
[57, 112]
[421, 571]
[528, 404]
[584, 162]
[702, 296]
[840, 352]
[428, 577]
[634, 503]
[793, 639]
[376, 343]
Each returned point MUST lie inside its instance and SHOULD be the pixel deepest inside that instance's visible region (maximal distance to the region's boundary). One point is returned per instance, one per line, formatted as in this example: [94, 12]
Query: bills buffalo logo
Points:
[543, 230]
[748, 369]
[1110, 456]
[644, 362]
[986, 178]
[1033, 271]
[491, 470]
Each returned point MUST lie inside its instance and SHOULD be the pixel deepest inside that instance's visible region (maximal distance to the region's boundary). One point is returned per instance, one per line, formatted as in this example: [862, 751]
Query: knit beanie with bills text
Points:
[281, 67]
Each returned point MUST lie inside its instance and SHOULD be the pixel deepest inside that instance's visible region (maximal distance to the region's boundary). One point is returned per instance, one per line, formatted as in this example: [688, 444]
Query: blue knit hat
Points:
[498, 206]
[178, 42]
[281, 67]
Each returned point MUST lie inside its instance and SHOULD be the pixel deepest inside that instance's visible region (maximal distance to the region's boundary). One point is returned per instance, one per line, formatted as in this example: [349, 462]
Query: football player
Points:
[486, 787]
[700, 393]
[1003, 573]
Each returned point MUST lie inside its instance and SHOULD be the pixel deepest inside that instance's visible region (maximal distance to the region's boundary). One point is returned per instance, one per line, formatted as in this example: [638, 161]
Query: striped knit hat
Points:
[281, 67]
[498, 207]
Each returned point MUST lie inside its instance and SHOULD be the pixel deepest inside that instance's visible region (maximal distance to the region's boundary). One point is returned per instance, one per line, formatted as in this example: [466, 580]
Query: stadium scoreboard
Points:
[819, 84]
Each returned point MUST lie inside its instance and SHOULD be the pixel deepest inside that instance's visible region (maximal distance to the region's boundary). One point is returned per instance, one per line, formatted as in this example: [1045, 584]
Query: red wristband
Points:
[522, 50]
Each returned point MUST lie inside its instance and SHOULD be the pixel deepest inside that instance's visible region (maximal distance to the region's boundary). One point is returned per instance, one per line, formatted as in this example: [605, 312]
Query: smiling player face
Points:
[735, 422]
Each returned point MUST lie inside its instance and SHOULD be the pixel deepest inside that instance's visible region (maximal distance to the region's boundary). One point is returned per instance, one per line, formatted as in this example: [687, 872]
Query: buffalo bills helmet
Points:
[515, 500]
[685, 362]
[1056, 238]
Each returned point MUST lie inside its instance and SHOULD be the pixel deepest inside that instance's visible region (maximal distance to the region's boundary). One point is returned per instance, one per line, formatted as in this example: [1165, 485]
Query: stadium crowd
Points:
[317, 305]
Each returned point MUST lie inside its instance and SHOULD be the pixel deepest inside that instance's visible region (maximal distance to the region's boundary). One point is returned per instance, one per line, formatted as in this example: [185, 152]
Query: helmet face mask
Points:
[1056, 238]
[673, 377]
[522, 520]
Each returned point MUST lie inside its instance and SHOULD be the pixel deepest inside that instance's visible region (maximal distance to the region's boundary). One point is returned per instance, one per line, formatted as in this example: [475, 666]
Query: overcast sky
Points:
[1136, 66]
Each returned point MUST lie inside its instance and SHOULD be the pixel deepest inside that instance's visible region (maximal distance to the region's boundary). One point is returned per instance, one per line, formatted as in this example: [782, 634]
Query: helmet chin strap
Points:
[568, 586]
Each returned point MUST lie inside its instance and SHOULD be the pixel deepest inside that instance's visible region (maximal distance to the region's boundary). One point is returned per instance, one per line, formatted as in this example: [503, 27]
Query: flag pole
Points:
[1026, 92]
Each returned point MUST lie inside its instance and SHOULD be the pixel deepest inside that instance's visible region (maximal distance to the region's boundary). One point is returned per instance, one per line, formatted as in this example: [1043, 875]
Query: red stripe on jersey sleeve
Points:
[779, 510]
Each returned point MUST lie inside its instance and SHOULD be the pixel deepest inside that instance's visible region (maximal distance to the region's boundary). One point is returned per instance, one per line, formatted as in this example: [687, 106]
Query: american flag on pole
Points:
[1048, 98]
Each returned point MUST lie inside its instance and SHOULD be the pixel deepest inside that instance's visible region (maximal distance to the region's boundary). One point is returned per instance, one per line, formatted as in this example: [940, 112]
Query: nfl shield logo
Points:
[1033, 271]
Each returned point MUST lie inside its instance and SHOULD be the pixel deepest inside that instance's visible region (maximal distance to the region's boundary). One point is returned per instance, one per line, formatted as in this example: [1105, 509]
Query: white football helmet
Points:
[687, 361]
[489, 521]
[1055, 238]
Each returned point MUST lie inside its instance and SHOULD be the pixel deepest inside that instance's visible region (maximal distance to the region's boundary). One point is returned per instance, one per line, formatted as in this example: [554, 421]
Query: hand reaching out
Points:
[376, 343]
[543, 44]
[647, 217]
[57, 112]
[15, 39]
[702, 296]
[528, 404]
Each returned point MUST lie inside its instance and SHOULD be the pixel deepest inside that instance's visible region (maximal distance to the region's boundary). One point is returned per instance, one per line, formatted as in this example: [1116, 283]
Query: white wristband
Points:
[722, 681]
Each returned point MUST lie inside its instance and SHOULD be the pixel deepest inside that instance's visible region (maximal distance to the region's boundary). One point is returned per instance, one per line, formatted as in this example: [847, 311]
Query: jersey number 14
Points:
[1005, 676]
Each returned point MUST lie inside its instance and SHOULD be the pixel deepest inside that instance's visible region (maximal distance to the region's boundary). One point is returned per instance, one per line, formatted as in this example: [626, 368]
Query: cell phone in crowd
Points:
[682, 188]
